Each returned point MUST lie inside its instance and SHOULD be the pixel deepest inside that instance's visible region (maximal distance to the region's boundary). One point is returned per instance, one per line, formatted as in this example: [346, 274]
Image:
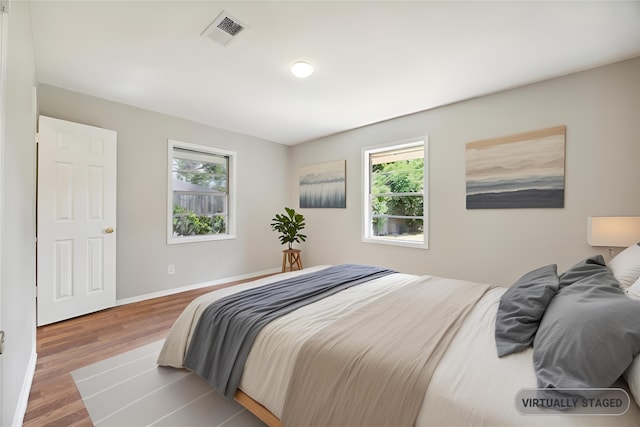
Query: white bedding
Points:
[471, 386]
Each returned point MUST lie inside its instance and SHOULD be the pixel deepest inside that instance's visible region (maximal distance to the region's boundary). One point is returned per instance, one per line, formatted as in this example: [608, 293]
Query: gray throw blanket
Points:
[228, 327]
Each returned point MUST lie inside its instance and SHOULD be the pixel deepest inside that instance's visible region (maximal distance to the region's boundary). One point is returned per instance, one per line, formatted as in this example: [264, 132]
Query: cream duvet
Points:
[469, 385]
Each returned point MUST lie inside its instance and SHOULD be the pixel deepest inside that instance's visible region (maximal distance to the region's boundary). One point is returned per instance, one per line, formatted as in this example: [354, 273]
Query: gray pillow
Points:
[522, 307]
[589, 334]
[582, 269]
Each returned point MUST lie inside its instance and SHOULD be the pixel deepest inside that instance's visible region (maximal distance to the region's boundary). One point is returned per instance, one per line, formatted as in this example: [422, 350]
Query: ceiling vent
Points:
[224, 28]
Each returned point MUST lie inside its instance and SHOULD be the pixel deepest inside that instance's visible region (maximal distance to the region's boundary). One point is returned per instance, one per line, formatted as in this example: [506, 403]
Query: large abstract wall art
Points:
[517, 171]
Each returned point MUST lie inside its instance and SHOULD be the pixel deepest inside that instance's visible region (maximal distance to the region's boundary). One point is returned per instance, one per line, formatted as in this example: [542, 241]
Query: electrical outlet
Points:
[171, 269]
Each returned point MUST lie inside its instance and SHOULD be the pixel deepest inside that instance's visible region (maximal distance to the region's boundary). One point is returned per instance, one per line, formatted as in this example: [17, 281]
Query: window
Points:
[201, 193]
[395, 194]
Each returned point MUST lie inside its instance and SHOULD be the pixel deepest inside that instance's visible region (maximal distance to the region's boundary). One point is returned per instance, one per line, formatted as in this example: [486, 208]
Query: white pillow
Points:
[632, 375]
[626, 266]
[634, 291]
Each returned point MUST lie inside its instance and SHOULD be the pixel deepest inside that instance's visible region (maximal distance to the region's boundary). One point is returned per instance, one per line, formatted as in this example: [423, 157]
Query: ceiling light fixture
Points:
[301, 69]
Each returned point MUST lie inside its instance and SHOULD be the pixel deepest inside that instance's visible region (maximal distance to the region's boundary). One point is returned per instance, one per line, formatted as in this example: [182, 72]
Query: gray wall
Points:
[18, 216]
[143, 254]
[601, 110]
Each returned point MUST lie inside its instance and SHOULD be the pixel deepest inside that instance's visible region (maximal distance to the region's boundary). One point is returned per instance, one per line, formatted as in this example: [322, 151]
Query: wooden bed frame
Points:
[257, 409]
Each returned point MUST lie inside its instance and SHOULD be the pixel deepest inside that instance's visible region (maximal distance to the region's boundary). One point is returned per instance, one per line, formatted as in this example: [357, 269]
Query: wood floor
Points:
[66, 346]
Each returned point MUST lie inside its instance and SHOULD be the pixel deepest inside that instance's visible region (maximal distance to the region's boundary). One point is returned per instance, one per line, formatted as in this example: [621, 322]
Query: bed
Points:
[291, 376]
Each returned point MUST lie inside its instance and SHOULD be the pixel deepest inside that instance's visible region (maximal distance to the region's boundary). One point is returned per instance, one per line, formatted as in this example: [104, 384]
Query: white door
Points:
[76, 256]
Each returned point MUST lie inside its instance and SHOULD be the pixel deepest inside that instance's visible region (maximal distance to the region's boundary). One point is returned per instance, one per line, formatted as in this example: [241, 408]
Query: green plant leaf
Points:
[289, 226]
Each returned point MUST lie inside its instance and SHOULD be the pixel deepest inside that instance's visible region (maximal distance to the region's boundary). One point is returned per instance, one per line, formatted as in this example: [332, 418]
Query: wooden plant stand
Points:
[291, 260]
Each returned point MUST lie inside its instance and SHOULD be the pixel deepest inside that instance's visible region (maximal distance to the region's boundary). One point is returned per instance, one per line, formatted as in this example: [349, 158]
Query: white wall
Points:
[18, 237]
[143, 254]
[601, 110]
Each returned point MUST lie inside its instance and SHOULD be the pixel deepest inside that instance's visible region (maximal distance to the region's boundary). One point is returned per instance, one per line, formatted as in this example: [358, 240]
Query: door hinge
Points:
[1, 342]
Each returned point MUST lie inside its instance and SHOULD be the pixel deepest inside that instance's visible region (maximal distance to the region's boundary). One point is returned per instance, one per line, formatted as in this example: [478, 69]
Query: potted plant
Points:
[289, 226]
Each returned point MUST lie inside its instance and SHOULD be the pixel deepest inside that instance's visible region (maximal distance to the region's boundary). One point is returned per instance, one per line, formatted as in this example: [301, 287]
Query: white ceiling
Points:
[373, 60]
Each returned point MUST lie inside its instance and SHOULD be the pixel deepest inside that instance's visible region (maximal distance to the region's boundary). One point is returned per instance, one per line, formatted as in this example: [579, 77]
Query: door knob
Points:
[109, 230]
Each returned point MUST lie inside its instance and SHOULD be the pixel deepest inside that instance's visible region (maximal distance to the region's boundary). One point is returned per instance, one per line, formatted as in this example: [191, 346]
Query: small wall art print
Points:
[517, 171]
[323, 185]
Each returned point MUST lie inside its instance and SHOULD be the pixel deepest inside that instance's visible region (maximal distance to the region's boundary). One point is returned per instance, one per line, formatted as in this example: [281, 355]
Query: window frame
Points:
[231, 188]
[367, 214]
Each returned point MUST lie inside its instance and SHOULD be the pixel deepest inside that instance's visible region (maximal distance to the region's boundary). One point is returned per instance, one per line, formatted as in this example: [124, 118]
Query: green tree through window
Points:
[397, 189]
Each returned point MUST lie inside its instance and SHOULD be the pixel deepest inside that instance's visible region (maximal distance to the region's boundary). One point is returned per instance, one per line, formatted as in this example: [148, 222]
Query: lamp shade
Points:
[613, 231]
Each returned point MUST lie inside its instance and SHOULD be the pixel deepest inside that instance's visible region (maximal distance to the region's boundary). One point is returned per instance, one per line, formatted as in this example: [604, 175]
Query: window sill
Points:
[396, 242]
[193, 239]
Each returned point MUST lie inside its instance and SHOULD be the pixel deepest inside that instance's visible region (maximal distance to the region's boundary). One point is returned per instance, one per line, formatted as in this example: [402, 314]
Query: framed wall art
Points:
[517, 171]
[323, 185]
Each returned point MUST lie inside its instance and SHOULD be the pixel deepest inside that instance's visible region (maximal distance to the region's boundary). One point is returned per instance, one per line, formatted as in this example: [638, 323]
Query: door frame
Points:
[4, 19]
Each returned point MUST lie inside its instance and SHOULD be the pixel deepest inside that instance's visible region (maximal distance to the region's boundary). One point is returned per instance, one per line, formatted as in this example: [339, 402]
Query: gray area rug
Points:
[130, 390]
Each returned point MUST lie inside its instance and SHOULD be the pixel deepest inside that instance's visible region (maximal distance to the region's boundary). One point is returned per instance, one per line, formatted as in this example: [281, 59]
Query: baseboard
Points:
[23, 400]
[195, 286]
